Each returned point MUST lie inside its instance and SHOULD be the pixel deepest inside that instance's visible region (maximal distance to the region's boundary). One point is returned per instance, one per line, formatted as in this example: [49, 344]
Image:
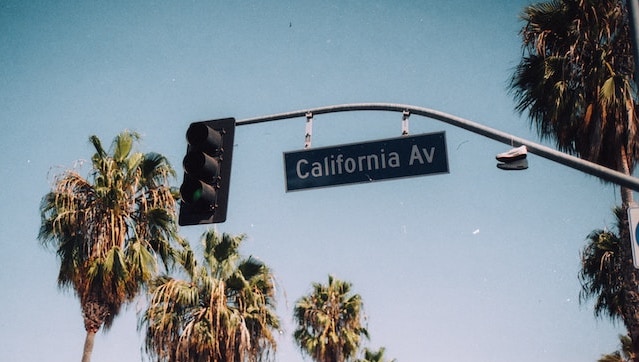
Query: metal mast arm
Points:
[577, 163]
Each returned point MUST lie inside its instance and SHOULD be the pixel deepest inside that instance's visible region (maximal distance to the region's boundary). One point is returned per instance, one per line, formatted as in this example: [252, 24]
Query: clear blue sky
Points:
[475, 265]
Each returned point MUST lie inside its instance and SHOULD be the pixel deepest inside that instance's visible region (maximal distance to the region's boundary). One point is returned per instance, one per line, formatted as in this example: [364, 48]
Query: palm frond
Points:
[156, 167]
[123, 144]
[108, 228]
[97, 144]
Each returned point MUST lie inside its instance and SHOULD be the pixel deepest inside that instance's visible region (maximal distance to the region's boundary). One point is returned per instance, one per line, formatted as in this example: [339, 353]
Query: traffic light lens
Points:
[204, 138]
[196, 193]
[201, 165]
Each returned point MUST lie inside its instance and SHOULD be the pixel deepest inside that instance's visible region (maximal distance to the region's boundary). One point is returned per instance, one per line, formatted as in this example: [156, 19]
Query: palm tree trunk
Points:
[94, 314]
[626, 193]
[88, 346]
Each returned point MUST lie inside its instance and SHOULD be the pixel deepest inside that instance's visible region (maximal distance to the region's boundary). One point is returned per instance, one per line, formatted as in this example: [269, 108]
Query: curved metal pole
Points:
[577, 163]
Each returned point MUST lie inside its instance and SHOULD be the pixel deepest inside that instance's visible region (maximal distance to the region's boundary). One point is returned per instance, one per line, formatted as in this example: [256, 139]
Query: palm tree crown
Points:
[107, 230]
[601, 275]
[223, 311]
[608, 276]
[576, 79]
[329, 322]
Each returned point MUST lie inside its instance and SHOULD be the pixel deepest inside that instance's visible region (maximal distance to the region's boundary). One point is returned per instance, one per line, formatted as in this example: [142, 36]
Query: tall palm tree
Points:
[329, 322]
[224, 309]
[606, 273]
[576, 80]
[108, 229]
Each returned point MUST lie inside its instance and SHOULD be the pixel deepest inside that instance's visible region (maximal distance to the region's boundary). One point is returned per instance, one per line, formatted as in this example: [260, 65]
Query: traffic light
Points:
[207, 172]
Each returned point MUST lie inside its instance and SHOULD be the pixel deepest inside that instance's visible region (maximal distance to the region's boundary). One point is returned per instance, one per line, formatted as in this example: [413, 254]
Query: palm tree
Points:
[375, 356]
[607, 272]
[601, 275]
[625, 355]
[329, 322]
[576, 80]
[109, 229]
[224, 310]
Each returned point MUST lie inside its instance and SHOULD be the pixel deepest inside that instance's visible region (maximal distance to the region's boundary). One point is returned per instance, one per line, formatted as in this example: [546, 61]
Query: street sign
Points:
[633, 221]
[405, 156]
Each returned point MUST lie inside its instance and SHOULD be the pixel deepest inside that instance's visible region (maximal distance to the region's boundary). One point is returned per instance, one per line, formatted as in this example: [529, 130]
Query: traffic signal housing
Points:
[207, 172]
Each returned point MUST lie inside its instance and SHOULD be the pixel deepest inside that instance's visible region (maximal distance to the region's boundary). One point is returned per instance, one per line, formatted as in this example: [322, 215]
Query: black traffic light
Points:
[207, 172]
